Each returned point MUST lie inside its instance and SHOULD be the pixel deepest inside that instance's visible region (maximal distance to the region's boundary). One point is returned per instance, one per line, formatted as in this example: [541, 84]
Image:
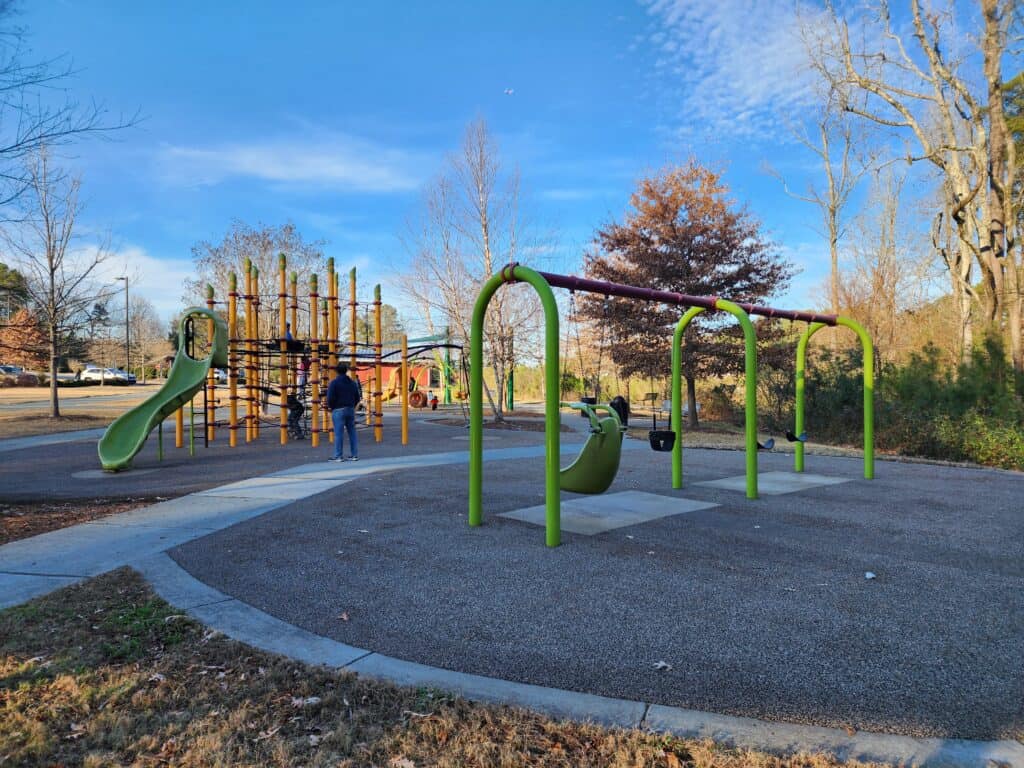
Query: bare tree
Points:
[30, 118]
[922, 91]
[261, 245]
[844, 160]
[60, 278]
[887, 275]
[146, 333]
[468, 228]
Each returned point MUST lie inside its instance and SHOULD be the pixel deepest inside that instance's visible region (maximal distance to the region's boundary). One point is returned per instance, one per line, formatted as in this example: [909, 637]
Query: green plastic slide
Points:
[127, 434]
[594, 469]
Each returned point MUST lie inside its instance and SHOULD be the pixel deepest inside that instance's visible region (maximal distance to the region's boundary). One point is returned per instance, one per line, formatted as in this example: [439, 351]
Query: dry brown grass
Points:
[28, 423]
[21, 520]
[105, 673]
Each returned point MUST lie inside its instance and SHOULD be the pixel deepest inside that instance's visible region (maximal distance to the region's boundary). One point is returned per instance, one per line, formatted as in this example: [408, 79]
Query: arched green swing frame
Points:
[869, 392]
[750, 399]
[552, 397]
[552, 385]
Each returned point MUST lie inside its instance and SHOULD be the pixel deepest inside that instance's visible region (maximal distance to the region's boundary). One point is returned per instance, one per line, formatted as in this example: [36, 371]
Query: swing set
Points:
[594, 469]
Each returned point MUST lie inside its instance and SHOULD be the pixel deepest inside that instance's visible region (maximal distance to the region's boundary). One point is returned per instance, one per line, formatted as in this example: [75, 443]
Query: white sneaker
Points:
[354, 458]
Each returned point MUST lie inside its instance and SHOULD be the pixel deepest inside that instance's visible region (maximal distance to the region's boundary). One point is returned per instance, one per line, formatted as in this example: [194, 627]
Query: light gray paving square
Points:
[271, 488]
[590, 515]
[775, 483]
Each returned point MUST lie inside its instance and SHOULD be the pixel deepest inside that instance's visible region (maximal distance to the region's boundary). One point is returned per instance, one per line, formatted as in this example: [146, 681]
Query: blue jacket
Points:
[342, 393]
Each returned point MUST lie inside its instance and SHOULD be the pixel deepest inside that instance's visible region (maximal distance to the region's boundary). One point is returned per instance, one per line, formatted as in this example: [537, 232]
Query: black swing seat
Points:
[662, 440]
[801, 438]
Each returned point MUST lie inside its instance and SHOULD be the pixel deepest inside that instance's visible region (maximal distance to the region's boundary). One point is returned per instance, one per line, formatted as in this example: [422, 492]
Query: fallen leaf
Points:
[298, 701]
[850, 731]
[662, 665]
[267, 734]
[401, 762]
[314, 739]
[672, 761]
[869, 575]
[156, 677]
[344, 616]
[363, 530]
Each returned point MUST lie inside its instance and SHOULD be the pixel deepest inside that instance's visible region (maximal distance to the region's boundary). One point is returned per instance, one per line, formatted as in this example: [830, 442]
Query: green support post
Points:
[552, 417]
[869, 392]
[750, 376]
[801, 367]
[510, 397]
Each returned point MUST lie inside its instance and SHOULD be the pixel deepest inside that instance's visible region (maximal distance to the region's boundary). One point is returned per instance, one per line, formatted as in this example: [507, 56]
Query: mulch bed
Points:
[19, 521]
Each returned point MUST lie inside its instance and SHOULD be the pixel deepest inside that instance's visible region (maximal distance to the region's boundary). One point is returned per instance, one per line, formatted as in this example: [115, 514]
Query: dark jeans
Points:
[345, 418]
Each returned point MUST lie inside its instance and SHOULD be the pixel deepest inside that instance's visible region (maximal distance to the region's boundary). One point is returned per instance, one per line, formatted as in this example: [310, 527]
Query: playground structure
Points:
[582, 476]
[288, 372]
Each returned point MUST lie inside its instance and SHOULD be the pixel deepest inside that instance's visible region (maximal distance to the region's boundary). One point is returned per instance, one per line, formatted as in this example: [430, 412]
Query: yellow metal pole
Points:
[313, 373]
[233, 359]
[250, 371]
[257, 372]
[179, 423]
[247, 298]
[352, 306]
[378, 390]
[294, 308]
[404, 383]
[211, 377]
[282, 368]
[293, 359]
[332, 325]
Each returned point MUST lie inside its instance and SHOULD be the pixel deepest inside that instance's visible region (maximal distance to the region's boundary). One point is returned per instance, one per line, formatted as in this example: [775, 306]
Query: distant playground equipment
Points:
[664, 440]
[288, 373]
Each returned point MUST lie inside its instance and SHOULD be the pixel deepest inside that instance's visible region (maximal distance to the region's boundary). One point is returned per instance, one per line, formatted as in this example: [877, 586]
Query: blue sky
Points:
[334, 115]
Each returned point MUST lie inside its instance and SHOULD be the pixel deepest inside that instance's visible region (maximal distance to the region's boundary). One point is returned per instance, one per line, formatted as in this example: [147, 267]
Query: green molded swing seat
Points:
[594, 469]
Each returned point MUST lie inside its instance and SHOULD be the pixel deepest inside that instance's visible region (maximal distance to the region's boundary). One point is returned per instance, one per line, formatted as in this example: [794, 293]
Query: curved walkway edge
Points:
[249, 625]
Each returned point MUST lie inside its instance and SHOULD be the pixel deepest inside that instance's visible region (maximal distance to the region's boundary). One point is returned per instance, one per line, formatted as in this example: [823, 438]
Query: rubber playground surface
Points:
[755, 608]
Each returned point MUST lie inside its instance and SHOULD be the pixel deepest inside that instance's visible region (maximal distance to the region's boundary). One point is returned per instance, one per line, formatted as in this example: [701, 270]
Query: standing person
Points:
[342, 398]
[304, 363]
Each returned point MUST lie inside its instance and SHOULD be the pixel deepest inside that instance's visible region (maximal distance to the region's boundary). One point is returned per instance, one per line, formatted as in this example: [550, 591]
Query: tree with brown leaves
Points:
[23, 341]
[684, 234]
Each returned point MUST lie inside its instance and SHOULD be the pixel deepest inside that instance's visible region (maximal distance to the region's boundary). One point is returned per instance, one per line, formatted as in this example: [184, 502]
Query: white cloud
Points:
[159, 279]
[733, 65]
[327, 160]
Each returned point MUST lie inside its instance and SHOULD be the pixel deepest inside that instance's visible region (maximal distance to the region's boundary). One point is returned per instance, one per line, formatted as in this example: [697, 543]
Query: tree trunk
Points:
[54, 360]
[692, 421]
[1015, 318]
[965, 307]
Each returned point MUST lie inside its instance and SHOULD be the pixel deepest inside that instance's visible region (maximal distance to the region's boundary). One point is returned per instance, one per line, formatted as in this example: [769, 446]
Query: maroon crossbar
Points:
[670, 297]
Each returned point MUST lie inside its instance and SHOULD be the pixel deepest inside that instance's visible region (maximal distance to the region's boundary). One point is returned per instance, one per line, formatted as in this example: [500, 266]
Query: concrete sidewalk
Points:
[54, 438]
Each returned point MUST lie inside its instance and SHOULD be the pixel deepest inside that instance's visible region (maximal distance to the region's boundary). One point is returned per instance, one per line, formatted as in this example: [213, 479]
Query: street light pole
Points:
[127, 342]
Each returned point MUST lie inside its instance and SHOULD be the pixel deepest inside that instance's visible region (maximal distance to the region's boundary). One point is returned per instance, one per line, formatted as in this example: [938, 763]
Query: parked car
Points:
[11, 370]
[109, 375]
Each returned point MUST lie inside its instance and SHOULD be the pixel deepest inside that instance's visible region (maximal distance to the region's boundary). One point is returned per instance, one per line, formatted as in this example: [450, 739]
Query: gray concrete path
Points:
[247, 624]
[54, 438]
